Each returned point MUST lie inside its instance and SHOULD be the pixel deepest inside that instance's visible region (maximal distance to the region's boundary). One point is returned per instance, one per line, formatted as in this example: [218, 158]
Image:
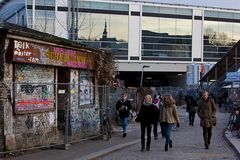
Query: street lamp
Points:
[144, 66]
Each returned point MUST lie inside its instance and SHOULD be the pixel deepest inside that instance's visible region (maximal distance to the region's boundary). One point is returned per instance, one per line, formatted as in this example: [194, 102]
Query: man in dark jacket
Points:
[207, 113]
[123, 107]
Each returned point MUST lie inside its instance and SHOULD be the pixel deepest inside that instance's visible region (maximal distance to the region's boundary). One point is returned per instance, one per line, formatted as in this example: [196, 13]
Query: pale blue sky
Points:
[233, 4]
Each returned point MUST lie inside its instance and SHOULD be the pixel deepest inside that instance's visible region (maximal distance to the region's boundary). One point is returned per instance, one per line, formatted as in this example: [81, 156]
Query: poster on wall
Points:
[33, 92]
[86, 89]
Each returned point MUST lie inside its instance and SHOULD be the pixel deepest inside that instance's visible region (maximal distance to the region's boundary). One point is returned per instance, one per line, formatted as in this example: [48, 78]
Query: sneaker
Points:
[124, 135]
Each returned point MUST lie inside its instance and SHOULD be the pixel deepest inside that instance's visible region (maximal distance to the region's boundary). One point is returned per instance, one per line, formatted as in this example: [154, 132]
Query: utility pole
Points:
[141, 82]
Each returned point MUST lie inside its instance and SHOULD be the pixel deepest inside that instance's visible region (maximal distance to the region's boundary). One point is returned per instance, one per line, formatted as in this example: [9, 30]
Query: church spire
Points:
[104, 36]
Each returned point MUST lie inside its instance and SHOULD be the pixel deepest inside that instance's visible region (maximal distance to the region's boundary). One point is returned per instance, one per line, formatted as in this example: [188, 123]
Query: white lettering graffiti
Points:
[22, 53]
[20, 45]
[20, 48]
[34, 60]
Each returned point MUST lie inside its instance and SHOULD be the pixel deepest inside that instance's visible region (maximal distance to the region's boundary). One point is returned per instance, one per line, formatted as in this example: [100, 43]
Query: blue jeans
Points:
[167, 127]
[124, 122]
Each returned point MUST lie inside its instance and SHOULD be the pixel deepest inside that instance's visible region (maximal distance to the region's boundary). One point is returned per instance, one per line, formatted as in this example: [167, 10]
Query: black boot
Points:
[148, 148]
[166, 147]
[143, 149]
[206, 146]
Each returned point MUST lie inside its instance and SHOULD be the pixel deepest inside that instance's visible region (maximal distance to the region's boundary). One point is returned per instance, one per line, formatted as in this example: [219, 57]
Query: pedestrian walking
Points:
[207, 113]
[191, 109]
[147, 118]
[156, 102]
[123, 107]
[168, 117]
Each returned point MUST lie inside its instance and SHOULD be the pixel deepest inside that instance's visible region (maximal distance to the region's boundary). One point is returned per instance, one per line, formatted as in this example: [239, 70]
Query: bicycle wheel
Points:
[238, 133]
[105, 130]
[232, 126]
[232, 119]
[109, 130]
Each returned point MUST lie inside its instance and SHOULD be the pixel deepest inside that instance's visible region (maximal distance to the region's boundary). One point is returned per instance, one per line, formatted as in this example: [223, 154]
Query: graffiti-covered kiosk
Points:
[42, 77]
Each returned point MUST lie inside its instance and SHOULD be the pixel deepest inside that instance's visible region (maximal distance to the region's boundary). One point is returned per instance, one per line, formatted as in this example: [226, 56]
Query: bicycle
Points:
[227, 107]
[106, 125]
[234, 120]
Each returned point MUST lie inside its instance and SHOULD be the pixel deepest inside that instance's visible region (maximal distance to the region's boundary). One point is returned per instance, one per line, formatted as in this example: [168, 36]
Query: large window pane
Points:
[166, 37]
[219, 37]
[184, 27]
[168, 25]
[29, 16]
[45, 2]
[100, 5]
[105, 31]
[167, 10]
[225, 33]
[44, 21]
[236, 32]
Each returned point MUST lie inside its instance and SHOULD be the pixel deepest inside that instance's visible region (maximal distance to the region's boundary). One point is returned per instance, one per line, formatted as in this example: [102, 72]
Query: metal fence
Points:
[39, 115]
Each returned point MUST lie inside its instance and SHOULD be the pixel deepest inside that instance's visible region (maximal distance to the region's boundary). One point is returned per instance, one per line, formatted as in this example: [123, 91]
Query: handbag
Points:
[214, 120]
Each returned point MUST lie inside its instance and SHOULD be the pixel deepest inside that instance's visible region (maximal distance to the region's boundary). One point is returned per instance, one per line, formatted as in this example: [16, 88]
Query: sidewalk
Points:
[233, 141]
[92, 149]
[88, 149]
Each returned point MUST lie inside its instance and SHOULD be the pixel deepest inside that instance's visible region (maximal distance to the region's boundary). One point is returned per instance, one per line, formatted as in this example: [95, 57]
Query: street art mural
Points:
[34, 88]
[83, 120]
[29, 52]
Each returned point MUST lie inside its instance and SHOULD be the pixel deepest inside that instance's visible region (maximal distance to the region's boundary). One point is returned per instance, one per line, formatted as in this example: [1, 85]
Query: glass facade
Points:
[106, 29]
[165, 35]
[29, 18]
[45, 2]
[221, 32]
[166, 31]
[44, 21]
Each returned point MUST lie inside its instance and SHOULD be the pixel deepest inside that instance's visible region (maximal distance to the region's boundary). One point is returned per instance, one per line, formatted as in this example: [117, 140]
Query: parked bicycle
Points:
[234, 121]
[227, 107]
[106, 125]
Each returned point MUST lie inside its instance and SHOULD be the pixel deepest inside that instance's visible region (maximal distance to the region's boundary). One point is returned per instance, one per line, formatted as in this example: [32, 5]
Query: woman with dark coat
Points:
[147, 115]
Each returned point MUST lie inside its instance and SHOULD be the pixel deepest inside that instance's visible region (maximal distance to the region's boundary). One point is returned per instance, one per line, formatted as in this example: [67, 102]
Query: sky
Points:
[233, 4]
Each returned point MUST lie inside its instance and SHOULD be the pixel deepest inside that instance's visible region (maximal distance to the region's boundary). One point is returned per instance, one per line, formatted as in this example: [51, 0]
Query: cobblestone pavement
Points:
[187, 145]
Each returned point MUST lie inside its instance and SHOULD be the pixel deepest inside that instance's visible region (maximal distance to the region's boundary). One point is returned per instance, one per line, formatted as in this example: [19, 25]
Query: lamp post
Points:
[144, 66]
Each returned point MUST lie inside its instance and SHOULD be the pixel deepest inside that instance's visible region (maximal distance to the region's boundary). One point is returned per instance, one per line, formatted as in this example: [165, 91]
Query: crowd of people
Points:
[163, 110]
